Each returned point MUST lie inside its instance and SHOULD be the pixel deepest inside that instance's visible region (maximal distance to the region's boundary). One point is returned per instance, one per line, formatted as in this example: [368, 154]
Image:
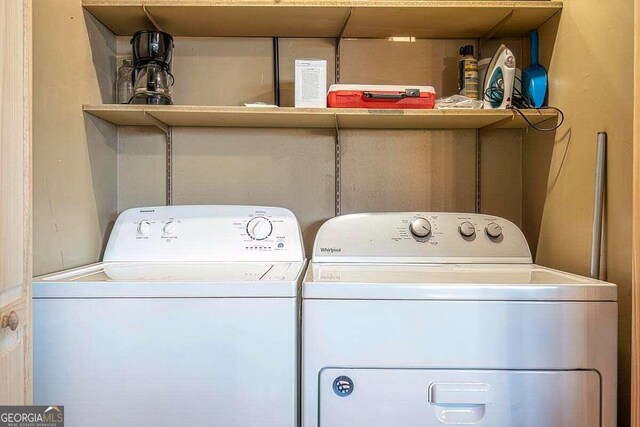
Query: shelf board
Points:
[325, 18]
[316, 118]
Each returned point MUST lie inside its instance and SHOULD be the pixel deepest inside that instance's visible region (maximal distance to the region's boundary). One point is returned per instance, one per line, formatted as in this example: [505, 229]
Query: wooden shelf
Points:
[325, 18]
[286, 117]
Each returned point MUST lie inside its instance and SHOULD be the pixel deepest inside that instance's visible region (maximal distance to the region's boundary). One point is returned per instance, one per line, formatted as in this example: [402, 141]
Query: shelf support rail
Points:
[338, 40]
[168, 132]
[478, 201]
[478, 172]
[169, 168]
[337, 166]
[276, 71]
[335, 116]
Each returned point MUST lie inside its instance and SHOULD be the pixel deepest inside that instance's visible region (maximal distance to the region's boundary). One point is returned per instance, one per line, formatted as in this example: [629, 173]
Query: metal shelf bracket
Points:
[497, 27]
[152, 18]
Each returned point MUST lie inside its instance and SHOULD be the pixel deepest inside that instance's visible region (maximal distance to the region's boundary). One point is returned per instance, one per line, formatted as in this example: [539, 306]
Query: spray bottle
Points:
[468, 73]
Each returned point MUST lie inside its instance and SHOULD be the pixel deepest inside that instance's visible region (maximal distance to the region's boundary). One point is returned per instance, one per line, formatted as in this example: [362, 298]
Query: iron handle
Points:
[11, 321]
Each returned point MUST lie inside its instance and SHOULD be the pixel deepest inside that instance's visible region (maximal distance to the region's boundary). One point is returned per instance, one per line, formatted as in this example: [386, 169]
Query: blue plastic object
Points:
[534, 78]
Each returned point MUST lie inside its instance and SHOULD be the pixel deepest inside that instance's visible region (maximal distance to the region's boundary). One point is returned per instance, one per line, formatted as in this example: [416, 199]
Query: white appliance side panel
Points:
[387, 237]
[168, 362]
[459, 335]
[433, 398]
[205, 233]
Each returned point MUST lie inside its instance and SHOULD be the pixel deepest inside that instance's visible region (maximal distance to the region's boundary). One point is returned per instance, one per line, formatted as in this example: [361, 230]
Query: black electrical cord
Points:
[516, 109]
[520, 101]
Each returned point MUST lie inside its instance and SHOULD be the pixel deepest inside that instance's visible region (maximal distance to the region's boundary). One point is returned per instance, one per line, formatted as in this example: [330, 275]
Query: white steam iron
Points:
[499, 80]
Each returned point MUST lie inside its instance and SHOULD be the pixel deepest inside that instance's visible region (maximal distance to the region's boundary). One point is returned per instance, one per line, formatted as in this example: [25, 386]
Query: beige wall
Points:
[74, 156]
[398, 170]
[591, 77]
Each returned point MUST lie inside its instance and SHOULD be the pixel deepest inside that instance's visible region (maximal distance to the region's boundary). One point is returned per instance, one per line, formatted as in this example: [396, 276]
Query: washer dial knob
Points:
[420, 227]
[467, 229]
[259, 228]
[494, 230]
[170, 227]
[144, 228]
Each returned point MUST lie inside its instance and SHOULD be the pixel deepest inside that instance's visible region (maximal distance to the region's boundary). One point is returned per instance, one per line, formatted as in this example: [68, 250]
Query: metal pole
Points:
[598, 204]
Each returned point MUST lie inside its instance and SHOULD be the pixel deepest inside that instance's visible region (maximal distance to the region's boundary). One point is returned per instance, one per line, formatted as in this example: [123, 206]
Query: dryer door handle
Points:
[460, 393]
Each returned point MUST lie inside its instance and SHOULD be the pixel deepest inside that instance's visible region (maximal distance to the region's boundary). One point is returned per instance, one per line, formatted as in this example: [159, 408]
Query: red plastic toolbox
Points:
[381, 96]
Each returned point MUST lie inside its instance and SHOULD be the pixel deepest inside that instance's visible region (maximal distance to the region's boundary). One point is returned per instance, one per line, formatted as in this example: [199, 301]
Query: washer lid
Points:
[508, 282]
[178, 280]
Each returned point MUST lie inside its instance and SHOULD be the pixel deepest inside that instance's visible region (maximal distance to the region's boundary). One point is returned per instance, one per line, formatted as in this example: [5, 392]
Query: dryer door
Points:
[433, 397]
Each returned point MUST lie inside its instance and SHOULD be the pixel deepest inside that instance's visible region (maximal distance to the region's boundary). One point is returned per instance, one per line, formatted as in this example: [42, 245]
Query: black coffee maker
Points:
[152, 78]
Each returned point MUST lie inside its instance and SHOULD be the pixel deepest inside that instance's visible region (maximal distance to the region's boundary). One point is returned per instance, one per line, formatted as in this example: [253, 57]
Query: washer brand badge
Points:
[343, 386]
[31, 416]
[147, 210]
[331, 250]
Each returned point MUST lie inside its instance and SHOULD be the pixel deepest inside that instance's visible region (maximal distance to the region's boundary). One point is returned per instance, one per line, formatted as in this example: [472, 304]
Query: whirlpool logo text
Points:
[331, 250]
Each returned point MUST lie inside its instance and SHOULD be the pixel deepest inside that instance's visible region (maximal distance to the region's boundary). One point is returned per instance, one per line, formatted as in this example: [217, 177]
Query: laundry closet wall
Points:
[74, 155]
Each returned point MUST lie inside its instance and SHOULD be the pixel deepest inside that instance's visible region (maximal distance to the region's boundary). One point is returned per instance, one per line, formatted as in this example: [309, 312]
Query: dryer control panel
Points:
[420, 237]
[205, 233]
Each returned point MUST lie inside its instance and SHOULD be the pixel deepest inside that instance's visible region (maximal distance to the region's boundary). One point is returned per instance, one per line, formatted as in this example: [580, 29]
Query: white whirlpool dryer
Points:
[434, 319]
[192, 319]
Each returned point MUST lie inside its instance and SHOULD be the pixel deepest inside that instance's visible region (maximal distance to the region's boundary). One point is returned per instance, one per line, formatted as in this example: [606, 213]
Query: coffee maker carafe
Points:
[153, 85]
[152, 54]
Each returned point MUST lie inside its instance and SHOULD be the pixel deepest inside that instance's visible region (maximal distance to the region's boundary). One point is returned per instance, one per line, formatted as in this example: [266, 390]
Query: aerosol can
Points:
[468, 73]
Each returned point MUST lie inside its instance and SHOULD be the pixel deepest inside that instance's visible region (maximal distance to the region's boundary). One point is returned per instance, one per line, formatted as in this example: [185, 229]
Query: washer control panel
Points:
[423, 237]
[205, 233]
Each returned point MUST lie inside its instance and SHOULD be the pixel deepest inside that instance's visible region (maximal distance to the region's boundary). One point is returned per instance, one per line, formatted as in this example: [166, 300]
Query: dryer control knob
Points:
[259, 228]
[467, 229]
[144, 228]
[420, 227]
[494, 230]
[170, 227]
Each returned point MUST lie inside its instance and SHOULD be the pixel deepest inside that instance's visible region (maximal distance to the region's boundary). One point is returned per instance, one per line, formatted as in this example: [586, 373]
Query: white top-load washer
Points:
[433, 319]
[191, 319]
